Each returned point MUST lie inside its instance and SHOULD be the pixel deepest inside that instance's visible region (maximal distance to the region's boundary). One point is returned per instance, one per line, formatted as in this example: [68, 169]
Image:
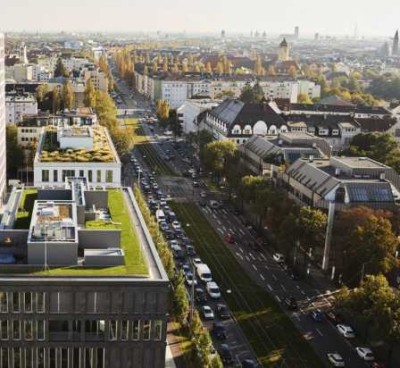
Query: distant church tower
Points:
[395, 47]
[283, 54]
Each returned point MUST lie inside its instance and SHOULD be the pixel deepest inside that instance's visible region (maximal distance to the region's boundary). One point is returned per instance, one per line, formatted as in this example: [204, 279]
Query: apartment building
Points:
[3, 168]
[19, 104]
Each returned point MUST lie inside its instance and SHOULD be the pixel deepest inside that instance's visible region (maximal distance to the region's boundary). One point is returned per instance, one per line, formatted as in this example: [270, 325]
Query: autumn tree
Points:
[90, 95]
[162, 110]
[56, 99]
[60, 70]
[68, 96]
[41, 92]
[304, 98]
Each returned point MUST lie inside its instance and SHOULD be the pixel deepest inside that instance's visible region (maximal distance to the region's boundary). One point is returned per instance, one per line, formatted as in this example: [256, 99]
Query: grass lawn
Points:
[274, 338]
[135, 263]
[24, 214]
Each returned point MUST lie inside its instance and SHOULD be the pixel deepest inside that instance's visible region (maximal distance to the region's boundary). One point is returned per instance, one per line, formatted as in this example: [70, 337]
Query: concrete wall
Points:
[55, 194]
[58, 254]
[99, 239]
[18, 245]
[99, 198]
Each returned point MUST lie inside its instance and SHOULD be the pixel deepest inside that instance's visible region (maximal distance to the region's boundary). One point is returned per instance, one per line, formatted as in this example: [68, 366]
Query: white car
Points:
[207, 312]
[213, 290]
[365, 353]
[196, 261]
[190, 280]
[174, 245]
[176, 225]
[346, 331]
[278, 257]
[335, 359]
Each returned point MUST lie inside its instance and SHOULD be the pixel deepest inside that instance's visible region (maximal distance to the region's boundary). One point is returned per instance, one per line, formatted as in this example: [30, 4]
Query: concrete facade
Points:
[3, 169]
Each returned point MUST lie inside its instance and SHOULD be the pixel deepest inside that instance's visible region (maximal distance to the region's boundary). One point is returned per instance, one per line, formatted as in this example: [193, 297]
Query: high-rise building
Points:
[395, 47]
[283, 53]
[2, 123]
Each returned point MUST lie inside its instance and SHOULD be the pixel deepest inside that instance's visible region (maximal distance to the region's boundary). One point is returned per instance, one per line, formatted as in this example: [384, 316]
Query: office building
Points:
[3, 169]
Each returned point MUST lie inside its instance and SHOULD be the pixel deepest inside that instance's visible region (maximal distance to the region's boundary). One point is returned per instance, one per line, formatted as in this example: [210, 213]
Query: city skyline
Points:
[119, 16]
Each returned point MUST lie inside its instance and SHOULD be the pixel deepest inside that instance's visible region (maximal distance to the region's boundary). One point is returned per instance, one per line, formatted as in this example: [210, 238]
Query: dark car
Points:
[248, 363]
[226, 354]
[316, 315]
[218, 330]
[223, 311]
[200, 295]
[290, 303]
[191, 252]
[202, 203]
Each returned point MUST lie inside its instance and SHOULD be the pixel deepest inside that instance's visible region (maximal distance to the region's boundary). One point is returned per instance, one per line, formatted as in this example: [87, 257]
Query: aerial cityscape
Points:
[199, 187]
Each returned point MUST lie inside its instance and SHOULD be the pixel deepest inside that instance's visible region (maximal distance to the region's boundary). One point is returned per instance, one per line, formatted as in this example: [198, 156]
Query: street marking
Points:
[296, 315]
[251, 255]
[283, 288]
[263, 256]
[241, 249]
[239, 255]
[219, 222]
[220, 230]
[213, 215]
[269, 287]
[298, 287]
[260, 259]
[277, 298]
[224, 228]
[242, 231]
[255, 268]
[224, 211]
[302, 291]
[266, 267]
[320, 333]
[262, 277]
[274, 277]
[247, 259]
[231, 231]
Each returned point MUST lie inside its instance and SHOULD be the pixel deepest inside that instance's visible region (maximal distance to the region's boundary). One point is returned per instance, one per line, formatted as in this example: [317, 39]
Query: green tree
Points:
[252, 94]
[56, 99]
[225, 94]
[123, 142]
[60, 70]
[90, 95]
[14, 152]
[312, 226]
[68, 96]
[180, 299]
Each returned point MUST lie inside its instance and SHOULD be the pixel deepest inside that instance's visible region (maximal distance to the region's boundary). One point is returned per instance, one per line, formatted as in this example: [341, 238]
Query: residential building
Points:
[19, 104]
[97, 77]
[20, 73]
[3, 168]
[346, 181]
[72, 292]
[265, 155]
[309, 88]
[238, 121]
[189, 111]
[84, 151]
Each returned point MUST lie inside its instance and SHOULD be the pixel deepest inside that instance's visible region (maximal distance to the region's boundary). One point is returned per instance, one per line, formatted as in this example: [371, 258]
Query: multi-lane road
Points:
[256, 261]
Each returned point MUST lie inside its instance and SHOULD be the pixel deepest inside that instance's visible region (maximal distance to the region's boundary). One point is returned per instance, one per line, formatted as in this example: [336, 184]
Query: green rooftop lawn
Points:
[135, 263]
[272, 335]
[24, 213]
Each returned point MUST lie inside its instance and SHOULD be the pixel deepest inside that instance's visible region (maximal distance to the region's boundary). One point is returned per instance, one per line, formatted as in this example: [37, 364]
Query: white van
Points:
[160, 216]
[203, 272]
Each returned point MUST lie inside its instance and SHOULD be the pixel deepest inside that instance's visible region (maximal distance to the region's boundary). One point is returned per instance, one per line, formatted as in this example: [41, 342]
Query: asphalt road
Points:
[257, 262]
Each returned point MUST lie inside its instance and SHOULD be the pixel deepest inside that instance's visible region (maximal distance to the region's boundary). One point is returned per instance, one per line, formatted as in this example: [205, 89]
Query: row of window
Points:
[23, 330]
[72, 173]
[135, 330]
[25, 130]
[54, 357]
[28, 139]
[25, 302]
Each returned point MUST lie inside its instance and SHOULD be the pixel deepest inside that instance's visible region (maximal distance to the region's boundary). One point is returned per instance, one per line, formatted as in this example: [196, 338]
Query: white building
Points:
[190, 110]
[3, 168]
[20, 73]
[176, 92]
[97, 77]
[309, 88]
[98, 162]
[19, 104]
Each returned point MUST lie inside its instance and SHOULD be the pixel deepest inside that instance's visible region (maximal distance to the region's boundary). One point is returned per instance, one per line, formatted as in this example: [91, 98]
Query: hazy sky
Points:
[279, 16]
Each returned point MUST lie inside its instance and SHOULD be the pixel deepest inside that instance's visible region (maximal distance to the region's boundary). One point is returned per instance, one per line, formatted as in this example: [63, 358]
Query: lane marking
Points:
[277, 298]
[255, 268]
[241, 249]
[252, 256]
[219, 222]
[302, 291]
[220, 230]
[320, 333]
[266, 267]
[247, 259]
[242, 231]
[224, 228]
[260, 259]
[269, 287]
[298, 287]
[274, 277]
[239, 255]
[262, 277]
[283, 288]
[263, 256]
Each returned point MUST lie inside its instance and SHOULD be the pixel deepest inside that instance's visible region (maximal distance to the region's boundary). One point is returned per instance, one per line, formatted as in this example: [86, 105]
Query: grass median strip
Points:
[273, 337]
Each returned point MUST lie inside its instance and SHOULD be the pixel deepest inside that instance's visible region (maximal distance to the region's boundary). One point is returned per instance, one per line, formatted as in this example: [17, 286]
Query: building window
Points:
[157, 329]
[41, 358]
[28, 358]
[109, 176]
[16, 302]
[4, 358]
[40, 302]
[28, 330]
[45, 176]
[124, 330]
[4, 330]
[146, 330]
[136, 330]
[28, 302]
[113, 331]
[81, 173]
[98, 176]
[67, 173]
[55, 176]
[17, 352]
[90, 176]
[3, 302]
[16, 330]
[40, 330]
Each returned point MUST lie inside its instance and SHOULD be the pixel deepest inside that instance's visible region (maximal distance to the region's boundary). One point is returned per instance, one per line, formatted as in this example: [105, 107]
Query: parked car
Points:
[223, 311]
[207, 312]
[218, 330]
[316, 315]
[365, 353]
[226, 354]
[213, 290]
[200, 295]
[229, 238]
[190, 280]
[176, 225]
[335, 359]
[191, 252]
[346, 331]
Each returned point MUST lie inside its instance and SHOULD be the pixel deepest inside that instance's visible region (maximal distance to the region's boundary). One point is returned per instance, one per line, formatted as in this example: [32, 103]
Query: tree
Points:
[122, 141]
[312, 226]
[68, 95]
[252, 94]
[56, 99]
[90, 95]
[174, 124]
[303, 98]
[181, 301]
[41, 92]
[60, 70]
[162, 110]
[15, 154]
[225, 94]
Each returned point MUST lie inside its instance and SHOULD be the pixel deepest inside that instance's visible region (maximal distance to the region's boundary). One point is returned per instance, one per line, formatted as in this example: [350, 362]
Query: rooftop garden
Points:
[24, 214]
[51, 152]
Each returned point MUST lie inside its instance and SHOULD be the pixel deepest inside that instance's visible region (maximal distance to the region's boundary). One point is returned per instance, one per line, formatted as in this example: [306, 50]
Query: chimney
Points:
[337, 172]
